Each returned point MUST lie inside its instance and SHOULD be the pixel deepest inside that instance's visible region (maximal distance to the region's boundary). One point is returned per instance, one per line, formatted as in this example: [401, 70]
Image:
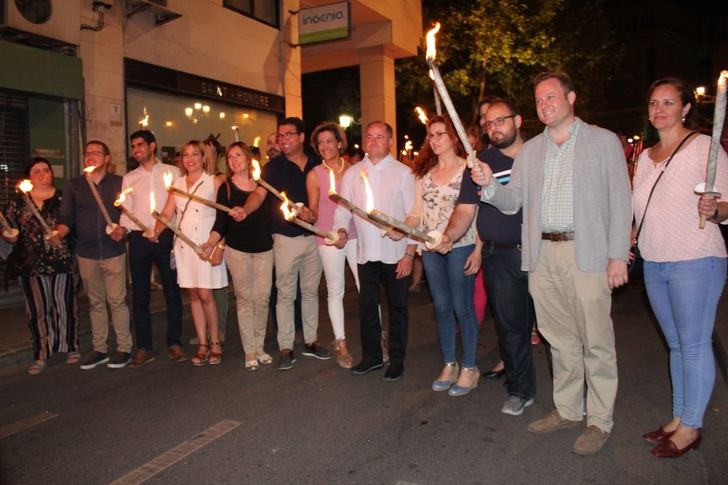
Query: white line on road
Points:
[179, 452]
[26, 423]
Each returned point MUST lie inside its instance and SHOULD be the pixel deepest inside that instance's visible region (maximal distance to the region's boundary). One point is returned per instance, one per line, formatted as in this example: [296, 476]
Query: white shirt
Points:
[393, 188]
[142, 183]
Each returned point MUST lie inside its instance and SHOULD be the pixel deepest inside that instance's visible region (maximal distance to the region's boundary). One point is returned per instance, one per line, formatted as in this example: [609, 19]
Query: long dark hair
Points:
[427, 159]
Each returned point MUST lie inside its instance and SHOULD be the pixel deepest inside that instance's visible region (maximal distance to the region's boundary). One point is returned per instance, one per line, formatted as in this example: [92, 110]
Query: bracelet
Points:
[408, 255]
[221, 246]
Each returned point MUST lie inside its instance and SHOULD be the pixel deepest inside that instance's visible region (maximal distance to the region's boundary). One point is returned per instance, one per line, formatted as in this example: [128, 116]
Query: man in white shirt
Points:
[145, 179]
[382, 258]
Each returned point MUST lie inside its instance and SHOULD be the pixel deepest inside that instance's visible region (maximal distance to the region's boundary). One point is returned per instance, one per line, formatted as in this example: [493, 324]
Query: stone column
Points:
[376, 70]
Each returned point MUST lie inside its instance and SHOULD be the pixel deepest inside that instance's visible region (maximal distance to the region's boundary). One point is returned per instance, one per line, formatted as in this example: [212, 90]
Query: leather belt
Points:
[501, 245]
[557, 236]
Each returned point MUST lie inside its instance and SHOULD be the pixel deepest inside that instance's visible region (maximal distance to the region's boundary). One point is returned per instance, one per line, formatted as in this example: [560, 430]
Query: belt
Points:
[501, 245]
[557, 236]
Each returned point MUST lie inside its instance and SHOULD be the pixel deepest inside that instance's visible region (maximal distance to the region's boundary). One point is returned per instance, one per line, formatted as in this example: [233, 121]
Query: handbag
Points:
[636, 261]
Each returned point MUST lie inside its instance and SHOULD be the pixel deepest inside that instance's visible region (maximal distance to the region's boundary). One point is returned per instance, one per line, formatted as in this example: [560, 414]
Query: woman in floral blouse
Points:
[47, 270]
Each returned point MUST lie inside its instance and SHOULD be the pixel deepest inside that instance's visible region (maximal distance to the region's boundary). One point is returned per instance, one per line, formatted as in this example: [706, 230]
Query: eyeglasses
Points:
[287, 135]
[498, 121]
[436, 136]
[96, 153]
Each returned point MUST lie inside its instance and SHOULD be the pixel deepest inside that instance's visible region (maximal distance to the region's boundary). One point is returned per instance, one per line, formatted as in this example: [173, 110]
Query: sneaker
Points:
[590, 441]
[552, 422]
[366, 366]
[94, 359]
[315, 350]
[287, 360]
[177, 354]
[119, 360]
[142, 357]
[394, 371]
[514, 405]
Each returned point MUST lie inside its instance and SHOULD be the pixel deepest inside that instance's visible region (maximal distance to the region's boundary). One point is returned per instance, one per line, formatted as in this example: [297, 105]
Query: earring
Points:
[682, 119]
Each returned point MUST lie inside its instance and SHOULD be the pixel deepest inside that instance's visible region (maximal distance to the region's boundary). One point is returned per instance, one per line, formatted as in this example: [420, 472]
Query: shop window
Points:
[265, 11]
[14, 143]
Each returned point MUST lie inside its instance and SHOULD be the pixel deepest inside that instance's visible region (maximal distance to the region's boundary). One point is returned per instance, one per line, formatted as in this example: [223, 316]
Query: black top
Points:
[251, 235]
[32, 255]
[285, 176]
[82, 215]
[492, 224]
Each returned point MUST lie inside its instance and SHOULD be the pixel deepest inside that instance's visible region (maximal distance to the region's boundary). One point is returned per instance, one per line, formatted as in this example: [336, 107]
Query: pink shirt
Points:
[670, 231]
[326, 209]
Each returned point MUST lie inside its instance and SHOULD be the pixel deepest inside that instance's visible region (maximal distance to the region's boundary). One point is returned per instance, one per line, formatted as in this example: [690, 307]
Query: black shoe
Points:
[394, 371]
[287, 360]
[494, 374]
[94, 359]
[315, 350]
[366, 366]
[119, 360]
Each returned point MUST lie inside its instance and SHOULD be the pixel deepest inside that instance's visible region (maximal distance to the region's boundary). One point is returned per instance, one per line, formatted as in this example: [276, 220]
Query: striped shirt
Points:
[557, 198]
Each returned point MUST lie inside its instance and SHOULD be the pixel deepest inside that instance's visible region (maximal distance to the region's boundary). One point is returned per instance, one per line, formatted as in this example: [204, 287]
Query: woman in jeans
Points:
[451, 277]
[685, 266]
[249, 250]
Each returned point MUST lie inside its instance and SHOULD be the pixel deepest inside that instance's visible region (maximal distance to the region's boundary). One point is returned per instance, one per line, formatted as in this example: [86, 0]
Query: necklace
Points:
[335, 171]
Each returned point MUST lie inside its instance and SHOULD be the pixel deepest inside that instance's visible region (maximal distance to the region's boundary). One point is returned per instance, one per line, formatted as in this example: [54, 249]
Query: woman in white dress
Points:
[194, 272]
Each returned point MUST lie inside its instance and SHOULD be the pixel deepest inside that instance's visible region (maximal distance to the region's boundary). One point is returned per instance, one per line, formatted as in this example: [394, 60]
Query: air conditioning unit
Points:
[55, 19]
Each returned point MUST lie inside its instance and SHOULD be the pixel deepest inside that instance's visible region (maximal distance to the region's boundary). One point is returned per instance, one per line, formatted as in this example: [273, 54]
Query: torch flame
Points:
[288, 214]
[26, 186]
[90, 169]
[431, 52]
[152, 202]
[421, 115]
[368, 189]
[167, 179]
[122, 197]
[332, 183]
[256, 170]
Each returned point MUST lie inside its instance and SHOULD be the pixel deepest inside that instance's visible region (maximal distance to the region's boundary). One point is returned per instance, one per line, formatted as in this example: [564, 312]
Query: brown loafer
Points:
[177, 354]
[141, 357]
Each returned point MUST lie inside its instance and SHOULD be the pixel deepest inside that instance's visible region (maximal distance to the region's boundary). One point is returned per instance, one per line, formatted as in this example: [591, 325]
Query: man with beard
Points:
[507, 285]
[272, 147]
[145, 179]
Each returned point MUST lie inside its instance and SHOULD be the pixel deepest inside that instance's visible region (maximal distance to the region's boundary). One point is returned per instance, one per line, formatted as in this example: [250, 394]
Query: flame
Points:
[368, 189]
[408, 145]
[167, 179]
[122, 197]
[152, 202]
[26, 186]
[256, 169]
[332, 182]
[431, 49]
[421, 114]
[144, 121]
[288, 214]
[90, 169]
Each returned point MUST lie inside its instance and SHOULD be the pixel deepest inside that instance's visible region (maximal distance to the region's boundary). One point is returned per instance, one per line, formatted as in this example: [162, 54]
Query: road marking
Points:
[26, 423]
[179, 452]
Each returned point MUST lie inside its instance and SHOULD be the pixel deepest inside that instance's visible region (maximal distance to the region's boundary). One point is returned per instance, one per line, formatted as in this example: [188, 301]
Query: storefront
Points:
[179, 107]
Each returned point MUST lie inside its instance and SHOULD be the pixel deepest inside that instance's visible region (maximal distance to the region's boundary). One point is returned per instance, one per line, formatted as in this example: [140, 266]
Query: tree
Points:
[498, 46]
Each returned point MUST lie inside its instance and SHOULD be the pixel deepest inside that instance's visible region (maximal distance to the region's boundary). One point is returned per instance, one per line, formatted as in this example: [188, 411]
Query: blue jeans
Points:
[452, 294]
[684, 296]
[514, 314]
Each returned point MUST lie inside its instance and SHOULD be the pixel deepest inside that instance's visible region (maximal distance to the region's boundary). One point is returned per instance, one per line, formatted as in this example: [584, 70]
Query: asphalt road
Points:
[317, 424]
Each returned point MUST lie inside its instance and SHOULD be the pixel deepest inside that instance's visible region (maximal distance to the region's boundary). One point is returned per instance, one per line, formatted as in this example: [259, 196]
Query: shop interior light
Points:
[205, 109]
[256, 141]
[222, 115]
[188, 111]
[168, 124]
[246, 116]
[194, 121]
[198, 106]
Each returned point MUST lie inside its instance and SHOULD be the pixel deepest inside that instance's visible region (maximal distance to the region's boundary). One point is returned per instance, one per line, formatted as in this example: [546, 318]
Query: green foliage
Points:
[498, 46]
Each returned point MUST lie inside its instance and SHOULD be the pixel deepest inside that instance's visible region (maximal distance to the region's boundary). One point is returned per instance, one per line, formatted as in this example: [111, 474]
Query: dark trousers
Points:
[142, 253]
[512, 307]
[371, 276]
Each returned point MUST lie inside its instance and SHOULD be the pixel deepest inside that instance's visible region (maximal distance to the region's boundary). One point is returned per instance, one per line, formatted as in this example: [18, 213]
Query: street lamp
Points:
[345, 121]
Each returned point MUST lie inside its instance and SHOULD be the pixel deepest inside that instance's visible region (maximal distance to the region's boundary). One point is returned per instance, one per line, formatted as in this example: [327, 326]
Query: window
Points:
[265, 11]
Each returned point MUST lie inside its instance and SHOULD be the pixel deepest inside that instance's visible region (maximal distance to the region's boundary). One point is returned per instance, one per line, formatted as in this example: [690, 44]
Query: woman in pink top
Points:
[685, 266]
[329, 142]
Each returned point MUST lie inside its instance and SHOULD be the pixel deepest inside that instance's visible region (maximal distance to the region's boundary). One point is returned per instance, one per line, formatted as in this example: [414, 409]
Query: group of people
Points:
[549, 220]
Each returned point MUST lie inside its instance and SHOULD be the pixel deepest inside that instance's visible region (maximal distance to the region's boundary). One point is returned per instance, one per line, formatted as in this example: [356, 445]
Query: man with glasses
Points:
[383, 260]
[295, 251]
[101, 254]
[572, 185]
[500, 234]
[144, 180]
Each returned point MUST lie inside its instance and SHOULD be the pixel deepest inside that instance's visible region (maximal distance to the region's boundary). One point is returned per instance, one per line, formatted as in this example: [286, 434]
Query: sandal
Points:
[37, 367]
[343, 357]
[200, 357]
[215, 357]
[73, 358]
[264, 358]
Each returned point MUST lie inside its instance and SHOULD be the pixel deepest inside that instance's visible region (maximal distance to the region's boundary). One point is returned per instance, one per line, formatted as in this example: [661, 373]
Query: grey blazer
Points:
[602, 199]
